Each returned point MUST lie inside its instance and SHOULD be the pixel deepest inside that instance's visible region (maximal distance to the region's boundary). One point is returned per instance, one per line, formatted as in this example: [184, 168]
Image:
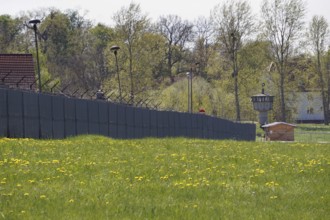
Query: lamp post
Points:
[115, 49]
[190, 90]
[190, 76]
[35, 22]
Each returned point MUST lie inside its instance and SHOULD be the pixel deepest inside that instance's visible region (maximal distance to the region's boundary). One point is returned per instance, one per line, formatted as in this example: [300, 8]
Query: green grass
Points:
[312, 133]
[317, 133]
[304, 133]
[313, 127]
[91, 177]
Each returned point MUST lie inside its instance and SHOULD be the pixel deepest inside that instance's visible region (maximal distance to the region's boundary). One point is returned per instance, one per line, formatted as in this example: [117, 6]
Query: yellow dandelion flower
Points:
[139, 178]
[26, 194]
[43, 197]
[272, 184]
[164, 177]
[260, 171]
[71, 201]
[61, 169]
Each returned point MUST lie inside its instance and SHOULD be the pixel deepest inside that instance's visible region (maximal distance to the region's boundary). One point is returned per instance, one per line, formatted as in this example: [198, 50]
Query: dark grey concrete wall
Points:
[34, 115]
[31, 115]
[4, 126]
[82, 116]
[58, 117]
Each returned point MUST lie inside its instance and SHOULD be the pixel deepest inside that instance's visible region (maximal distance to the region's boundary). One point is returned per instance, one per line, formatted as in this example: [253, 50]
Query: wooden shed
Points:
[279, 131]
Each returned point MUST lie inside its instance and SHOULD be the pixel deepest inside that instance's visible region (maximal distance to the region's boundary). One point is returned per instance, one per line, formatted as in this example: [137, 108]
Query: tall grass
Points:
[93, 177]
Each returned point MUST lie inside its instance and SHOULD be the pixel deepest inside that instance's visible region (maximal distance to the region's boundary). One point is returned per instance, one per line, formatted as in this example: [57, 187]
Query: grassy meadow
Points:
[93, 177]
[312, 133]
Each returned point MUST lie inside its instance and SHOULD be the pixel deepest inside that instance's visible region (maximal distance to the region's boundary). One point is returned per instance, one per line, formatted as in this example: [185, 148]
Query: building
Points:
[17, 71]
[309, 107]
[279, 131]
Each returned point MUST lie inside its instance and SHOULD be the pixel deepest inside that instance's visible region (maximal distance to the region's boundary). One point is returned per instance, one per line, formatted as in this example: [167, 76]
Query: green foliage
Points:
[66, 42]
[175, 97]
[288, 17]
[154, 57]
[93, 177]
[100, 36]
[177, 33]
[10, 29]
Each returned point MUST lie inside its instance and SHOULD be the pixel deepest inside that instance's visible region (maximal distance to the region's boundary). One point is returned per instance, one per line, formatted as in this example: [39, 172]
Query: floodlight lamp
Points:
[34, 21]
[114, 48]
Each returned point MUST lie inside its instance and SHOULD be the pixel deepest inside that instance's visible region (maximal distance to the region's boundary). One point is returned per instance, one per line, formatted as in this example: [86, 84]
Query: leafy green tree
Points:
[55, 44]
[175, 96]
[233, 23]
[148, 57]
[283, 23]
[177, 34]
[318, 33]
[66, 42]
[255, 66]
[10, 31]
[131, 24]
[202, 44]
[101, 36]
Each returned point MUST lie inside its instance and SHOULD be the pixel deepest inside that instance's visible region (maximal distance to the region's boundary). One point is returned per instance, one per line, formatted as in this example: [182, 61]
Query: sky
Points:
[103, 10]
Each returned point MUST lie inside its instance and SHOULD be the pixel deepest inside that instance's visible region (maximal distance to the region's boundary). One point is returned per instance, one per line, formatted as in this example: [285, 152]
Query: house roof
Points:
[17, 70]
[277, 123]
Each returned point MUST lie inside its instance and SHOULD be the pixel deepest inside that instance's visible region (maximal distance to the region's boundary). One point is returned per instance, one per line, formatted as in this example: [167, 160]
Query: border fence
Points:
[27, 114]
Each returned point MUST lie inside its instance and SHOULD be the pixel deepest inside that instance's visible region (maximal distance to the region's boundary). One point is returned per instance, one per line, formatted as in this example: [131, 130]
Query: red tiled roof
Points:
[17, 71]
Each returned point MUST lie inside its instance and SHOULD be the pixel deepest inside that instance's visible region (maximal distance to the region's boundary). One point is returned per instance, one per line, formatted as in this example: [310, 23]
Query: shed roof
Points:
[17, 70]
[277, 123]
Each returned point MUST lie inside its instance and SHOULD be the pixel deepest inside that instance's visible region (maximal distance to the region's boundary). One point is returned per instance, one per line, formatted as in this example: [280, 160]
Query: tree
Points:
[233, 23]
[174, 97]
[177, 33]
[66, 42]
[283, 23]
[10, 29]
[203, 41]
[101, 36]
[131, 24]
[54, 37]
[318, 33]
[147, 54]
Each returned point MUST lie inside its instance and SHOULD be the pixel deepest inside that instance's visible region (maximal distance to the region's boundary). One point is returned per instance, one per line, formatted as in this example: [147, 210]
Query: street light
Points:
[115, 48]
[35, 22]
[189, 75]
[190, 90]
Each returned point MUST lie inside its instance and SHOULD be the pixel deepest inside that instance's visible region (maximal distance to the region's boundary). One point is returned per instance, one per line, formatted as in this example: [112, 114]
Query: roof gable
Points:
[17, 70]
[276, 124]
